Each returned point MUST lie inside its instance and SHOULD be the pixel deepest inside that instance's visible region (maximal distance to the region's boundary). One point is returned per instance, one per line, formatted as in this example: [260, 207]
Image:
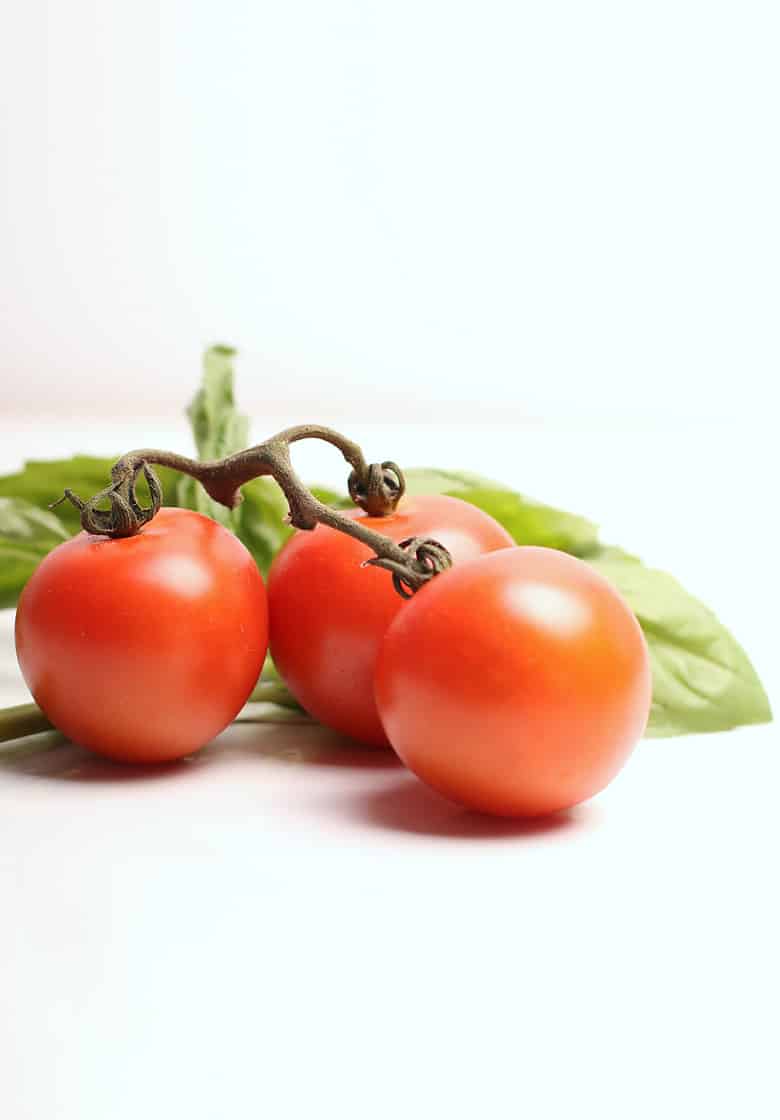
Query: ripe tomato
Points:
[328, 615]
[144, 648]
[516, 684]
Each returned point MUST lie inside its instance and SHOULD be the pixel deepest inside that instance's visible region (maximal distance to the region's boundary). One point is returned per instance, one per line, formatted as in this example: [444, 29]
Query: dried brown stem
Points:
[376, 487]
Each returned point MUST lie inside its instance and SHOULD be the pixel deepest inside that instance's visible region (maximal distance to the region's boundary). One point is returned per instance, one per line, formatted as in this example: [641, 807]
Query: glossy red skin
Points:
[328, 615]
[145, 648]
[516, 684]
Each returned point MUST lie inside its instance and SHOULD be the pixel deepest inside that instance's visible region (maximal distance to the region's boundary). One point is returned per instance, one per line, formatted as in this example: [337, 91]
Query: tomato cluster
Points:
[515, 683]
[329, 616]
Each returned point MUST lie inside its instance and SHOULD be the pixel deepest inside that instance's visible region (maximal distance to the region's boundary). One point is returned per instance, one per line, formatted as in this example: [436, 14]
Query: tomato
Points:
[144, 648]
[328, 615]
[516, 684]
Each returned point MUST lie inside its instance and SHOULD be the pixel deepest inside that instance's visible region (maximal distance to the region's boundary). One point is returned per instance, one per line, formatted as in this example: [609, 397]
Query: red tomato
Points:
[328, 615]
[516, 684]
[144, 648]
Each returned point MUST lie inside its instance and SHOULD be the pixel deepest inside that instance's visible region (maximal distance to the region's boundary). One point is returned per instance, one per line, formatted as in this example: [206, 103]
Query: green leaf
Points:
[702, 678]
[531, 522]
[431, 480]
[22, 521]
[332, 498]
[217, 425]
[528, 521]
[260, 520]
[218, 428]
[27, 534]
[42, 481]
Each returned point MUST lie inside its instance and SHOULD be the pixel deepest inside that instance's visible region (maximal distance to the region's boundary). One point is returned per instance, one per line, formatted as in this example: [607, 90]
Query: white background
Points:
[553, 230]
[523, 208]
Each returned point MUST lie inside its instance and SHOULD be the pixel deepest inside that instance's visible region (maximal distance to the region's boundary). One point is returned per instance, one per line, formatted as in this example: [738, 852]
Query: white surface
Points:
[540, 207]
[288, 926]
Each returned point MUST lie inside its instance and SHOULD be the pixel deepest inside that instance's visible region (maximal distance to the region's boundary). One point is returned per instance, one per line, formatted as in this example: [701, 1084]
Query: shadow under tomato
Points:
[407, 805]
[50, 756]
[307, 744]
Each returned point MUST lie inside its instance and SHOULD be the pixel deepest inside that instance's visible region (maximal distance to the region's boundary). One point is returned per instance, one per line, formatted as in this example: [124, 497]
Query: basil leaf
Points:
[260, 520]
[528, 521]
[217, 425]
[41, 482]
[17, 564]
[702, 678]
[431, 480]
[533, 523]
[27, 534]
[22, 521]
[218, 428]
[332, 498]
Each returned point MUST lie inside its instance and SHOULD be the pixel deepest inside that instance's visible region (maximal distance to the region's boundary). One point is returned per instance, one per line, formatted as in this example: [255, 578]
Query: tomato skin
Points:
[144, 648]
[328, 615]
[516, 684]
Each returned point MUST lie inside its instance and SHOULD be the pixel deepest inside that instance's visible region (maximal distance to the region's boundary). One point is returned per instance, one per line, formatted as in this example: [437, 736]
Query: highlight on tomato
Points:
[144, 648]
[516, 684]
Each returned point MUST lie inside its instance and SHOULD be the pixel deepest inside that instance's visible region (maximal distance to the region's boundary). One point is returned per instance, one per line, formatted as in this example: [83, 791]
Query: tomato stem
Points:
[22, 720]
[375, 487]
